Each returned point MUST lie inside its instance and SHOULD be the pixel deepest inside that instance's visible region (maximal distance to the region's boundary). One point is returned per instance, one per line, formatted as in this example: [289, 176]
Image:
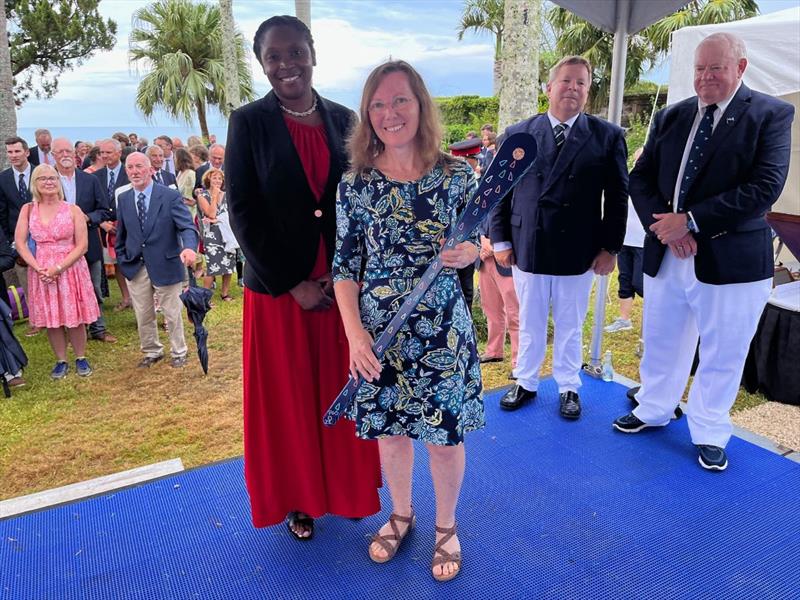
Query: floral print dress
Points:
[430, 385]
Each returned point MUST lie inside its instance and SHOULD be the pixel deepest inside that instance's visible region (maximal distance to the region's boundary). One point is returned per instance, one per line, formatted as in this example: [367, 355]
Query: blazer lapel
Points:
[683, 127]
[729, 119]
[545, 144]
[334, 143]
[156, 201]
[575, 140]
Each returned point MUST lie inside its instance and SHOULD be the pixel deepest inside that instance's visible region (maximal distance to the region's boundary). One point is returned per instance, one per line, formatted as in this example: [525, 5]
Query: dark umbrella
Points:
[12, 356]
[197, 301]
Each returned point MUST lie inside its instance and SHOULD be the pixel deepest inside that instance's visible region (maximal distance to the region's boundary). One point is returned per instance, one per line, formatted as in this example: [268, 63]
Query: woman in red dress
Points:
[284, 158]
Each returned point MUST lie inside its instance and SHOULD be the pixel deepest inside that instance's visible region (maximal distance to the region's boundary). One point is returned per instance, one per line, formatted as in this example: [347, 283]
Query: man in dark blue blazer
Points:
[156, 241]
[84, 191]
[712, 167]
[15, 191]
[160, 175]
[562, 224]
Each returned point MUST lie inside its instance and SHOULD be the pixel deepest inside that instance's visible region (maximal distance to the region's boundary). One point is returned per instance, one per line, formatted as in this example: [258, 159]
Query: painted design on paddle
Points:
[522, 148]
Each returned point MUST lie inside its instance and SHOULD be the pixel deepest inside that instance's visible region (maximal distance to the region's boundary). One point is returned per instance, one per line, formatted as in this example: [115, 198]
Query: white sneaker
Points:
[619, 325]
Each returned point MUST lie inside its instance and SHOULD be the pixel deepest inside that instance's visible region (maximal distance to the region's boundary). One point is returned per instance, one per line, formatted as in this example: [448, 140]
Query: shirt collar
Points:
[26, 172]
[146, 191]
[721, 106]
[569, 122]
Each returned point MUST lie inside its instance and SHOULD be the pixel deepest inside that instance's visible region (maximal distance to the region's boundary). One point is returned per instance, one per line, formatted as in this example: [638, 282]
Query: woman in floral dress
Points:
[218, 241]
[395, 208]
[60, 288]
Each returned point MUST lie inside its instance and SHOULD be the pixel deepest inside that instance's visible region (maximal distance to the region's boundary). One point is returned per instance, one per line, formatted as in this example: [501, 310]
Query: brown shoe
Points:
[149, 361]
[442, 556]
[16, 382]
[105, 337]
[391, 542]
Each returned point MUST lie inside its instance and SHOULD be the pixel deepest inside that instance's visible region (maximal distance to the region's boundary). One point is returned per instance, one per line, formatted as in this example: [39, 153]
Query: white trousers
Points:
[569, 297]
[677, 310]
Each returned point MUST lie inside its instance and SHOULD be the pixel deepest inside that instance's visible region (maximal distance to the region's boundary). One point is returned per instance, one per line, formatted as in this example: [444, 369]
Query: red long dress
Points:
[295, 363]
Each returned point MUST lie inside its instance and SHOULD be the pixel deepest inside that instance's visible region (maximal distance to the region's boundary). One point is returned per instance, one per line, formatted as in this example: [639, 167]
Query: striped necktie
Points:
[558, 131]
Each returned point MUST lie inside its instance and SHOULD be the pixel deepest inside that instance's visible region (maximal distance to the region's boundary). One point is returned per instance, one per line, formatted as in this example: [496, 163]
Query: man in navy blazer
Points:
[15, 191]
[712, 167]
[156, 241]
[84, 191]
[562, 224]
[156, 156]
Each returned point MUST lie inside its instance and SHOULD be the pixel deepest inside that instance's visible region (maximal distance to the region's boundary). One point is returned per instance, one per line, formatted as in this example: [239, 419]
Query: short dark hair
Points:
[487, 127]
[282, 21]
[199, 151]
[164, 138]
[15, 139]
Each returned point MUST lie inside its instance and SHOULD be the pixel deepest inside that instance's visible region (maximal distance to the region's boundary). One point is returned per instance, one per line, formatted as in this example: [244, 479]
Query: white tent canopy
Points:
[773, 56]
[605, 13]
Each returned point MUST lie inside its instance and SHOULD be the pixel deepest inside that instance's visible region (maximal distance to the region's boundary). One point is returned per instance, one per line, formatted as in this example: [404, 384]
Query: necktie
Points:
[23, 189]
[699, 144]
[111, 180]
[46, 158]
[558, 131]
[141, 208]
[157, 177]
[168, 165]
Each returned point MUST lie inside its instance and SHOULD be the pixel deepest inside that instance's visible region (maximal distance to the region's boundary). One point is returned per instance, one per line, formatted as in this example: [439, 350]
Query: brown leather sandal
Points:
[386, 541]
[445, 556]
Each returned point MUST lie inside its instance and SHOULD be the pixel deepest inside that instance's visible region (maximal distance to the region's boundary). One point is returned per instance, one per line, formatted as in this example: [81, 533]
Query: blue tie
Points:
[559, 133]
[23, 189]
[111, 186]
[142, 209]
[699, 144]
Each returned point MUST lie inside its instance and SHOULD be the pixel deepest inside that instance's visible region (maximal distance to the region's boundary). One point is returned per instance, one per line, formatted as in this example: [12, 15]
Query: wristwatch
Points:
[690, 224]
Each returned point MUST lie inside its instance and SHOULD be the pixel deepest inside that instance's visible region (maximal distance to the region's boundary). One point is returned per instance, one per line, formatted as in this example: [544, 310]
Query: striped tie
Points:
[558, 131]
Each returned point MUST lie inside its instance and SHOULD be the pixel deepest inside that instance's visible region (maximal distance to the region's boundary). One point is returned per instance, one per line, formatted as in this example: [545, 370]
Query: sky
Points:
[351, 37]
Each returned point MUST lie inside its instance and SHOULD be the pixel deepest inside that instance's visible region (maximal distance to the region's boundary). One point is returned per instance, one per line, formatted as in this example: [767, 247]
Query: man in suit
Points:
[112, 177]
[15, 190]
[156, 241]
[41, 154]
[562, 224]
[165, 143]
[156, 157]
[84, 191]
[708, 254]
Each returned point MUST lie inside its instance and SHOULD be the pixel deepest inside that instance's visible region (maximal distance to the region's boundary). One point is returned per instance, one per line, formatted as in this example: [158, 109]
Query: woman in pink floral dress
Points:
[60, 292]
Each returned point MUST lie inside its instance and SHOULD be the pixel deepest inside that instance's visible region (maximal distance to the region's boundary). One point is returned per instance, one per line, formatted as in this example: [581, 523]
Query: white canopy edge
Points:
[603, 13]
[773, 53]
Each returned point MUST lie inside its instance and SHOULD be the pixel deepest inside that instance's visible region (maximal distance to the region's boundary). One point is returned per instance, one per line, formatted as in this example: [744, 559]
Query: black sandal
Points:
[307, 522]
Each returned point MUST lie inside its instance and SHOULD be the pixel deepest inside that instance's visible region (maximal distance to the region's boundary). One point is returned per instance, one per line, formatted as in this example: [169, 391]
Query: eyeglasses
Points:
[50, 178]
[398, 103]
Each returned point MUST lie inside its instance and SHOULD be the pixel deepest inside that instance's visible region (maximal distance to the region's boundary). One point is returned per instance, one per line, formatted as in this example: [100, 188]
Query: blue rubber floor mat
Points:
[550, 509]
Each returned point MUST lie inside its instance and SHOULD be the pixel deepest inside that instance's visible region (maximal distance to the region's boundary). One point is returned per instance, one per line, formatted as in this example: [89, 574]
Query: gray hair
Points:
[735, 44]
[212, 146]
[113, 142]
[41, 132]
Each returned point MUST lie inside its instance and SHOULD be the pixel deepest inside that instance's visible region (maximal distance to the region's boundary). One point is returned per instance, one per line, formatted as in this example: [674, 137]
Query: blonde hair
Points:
[570, 60]
[36, 174]
[364, 146]
[206, 181]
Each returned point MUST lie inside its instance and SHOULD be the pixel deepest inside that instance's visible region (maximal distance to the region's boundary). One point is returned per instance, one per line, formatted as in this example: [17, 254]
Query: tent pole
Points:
[616, 94]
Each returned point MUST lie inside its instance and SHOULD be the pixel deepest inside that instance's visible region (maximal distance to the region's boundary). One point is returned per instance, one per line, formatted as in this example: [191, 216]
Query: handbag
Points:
[18, 303]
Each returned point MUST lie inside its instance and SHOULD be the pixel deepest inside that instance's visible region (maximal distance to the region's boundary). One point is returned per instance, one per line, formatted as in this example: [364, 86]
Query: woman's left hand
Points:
[462, 255]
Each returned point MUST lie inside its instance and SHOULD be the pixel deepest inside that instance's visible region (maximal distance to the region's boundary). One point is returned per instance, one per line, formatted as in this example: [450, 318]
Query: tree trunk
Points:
[8, 110]
[201, 116]
[497, 73]
[232, 100]
[519, 81]
[302, 10]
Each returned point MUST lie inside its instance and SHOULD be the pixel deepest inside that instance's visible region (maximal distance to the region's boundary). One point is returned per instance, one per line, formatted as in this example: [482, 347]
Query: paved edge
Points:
[84, 489]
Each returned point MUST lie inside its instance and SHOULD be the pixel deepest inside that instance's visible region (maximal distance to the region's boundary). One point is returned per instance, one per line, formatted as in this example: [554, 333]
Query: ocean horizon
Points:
[95, 133]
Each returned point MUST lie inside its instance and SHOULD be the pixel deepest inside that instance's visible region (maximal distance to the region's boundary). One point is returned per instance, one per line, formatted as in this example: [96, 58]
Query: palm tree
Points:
[519, 94]
[302, 10]
[229, 56]
[484, 16]
[180, 42]
[8, 110]
[646, 48]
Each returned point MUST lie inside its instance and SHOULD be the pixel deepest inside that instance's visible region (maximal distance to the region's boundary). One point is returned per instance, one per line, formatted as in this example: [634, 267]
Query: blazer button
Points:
[143, 245]
[571, 177]
[318, 213]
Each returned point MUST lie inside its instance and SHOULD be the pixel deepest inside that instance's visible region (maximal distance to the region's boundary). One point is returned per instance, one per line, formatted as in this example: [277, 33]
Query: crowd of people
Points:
[338, 215]
[62, 219]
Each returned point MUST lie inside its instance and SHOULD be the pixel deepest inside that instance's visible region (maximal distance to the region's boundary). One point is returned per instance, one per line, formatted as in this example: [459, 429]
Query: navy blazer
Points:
[570, 205]
[740, 177]
[275, 217]
[102, 175]
[93, 201]
[168, 229]
[167, 178]
[10, 203]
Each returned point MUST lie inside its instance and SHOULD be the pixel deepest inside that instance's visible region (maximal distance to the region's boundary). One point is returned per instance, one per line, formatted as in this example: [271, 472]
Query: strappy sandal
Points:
[227, 298]
[307, 522]
[445, 556]
[386, 541]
